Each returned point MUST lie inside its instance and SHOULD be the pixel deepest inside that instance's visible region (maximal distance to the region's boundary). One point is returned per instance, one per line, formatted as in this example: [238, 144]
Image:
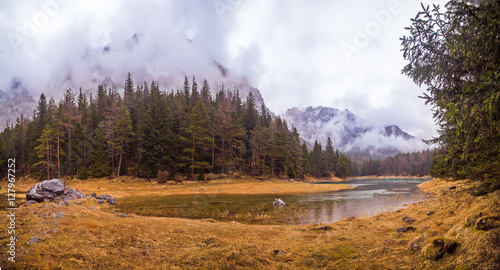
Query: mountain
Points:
[15, 101]
[89, 65]
[348, 132]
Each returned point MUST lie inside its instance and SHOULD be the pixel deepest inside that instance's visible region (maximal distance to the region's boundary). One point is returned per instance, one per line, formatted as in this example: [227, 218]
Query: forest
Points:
[147, 132]
[417, 163]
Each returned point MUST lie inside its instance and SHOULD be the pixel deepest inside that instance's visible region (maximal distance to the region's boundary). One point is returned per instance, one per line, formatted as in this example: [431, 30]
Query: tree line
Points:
[145, 131]
[405, 164]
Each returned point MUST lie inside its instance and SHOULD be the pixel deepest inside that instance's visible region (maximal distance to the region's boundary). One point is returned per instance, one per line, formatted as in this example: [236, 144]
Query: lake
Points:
[370, 197]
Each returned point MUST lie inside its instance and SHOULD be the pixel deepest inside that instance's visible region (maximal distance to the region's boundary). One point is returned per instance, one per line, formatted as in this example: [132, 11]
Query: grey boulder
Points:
[71, 194]
[45, 191]
[107, 198]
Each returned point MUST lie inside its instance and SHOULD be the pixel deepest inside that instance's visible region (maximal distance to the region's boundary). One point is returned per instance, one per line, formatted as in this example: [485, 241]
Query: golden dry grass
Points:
[136, 187]
[87, 237]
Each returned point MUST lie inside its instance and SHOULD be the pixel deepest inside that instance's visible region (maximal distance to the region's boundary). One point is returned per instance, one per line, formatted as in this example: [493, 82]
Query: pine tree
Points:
[198, 138]
[59, 124]
[99, 155]
[71, 116]
[123, 134]
[128, 91]
[45, 149]
[158, 137]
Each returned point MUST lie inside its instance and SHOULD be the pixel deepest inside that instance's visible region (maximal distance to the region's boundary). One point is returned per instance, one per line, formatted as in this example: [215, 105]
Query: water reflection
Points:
[371, 196]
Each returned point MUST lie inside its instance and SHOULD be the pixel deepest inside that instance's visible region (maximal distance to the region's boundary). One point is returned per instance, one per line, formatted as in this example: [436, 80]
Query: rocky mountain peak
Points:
[348, 132]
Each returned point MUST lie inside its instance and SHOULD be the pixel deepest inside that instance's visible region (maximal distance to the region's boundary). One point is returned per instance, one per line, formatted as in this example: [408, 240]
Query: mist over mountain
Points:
[350, 133]
[100, 66]
[14, 102]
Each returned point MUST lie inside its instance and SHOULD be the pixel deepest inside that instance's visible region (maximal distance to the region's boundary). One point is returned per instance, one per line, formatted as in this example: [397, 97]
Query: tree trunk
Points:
[194, 147]
[112, 151]
[213, 147]
[222, 154]
[120, 162]
[69, 150]
[58, 159]
[48, 161]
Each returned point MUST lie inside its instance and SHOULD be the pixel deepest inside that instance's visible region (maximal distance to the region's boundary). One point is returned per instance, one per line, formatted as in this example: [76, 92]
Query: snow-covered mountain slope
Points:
[349, 133]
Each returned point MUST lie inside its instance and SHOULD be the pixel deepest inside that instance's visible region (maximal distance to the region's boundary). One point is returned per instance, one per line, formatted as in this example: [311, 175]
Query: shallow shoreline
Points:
[91, 236]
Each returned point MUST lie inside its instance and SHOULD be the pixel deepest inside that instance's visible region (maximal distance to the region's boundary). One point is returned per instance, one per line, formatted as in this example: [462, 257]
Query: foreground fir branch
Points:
[456, 54]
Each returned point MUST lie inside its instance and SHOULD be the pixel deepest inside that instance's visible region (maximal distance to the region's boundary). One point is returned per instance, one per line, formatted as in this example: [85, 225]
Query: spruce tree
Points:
[123, 134]
[99, 155]
[158, 137]
[198, 138]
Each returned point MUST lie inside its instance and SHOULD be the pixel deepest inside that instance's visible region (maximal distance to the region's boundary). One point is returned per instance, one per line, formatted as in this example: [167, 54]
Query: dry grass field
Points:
[452, 230]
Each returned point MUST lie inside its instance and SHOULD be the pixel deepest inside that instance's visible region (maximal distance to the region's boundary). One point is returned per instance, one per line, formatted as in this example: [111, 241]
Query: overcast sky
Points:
[343, 54]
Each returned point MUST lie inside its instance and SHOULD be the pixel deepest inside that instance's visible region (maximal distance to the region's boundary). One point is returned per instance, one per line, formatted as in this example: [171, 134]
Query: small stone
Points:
[278, 252]
[32, 240]
[430, 213]
[28, 202]
[278, 202]
[100, 201]
[408, 219]
[106, 197]
[452, 188]
[325, 228]
[405, 229]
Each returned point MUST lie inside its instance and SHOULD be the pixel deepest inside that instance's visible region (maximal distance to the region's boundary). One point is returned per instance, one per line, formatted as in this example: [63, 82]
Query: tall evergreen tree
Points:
[158, 137]
[198, 138]
[99, 155]
[123, 134]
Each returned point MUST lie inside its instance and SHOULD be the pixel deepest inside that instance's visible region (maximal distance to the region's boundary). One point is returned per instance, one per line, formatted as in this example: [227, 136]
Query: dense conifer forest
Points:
[405, 164]
[148, 132]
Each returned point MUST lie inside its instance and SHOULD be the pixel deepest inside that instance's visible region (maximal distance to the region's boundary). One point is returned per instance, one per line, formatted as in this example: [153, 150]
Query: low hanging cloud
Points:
[294, 52]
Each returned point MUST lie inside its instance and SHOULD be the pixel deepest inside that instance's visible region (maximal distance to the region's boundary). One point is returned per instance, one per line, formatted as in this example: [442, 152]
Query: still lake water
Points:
[370, 197]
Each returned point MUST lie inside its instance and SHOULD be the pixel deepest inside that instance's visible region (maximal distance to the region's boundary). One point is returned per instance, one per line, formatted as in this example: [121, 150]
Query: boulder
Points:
[71, 194]
[278, 202]
[106, 197]
[45, 191]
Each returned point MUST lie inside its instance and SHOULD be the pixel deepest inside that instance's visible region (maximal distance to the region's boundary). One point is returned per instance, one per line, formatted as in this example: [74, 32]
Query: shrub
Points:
[201, 176]
[162, 177]
[83, 174]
